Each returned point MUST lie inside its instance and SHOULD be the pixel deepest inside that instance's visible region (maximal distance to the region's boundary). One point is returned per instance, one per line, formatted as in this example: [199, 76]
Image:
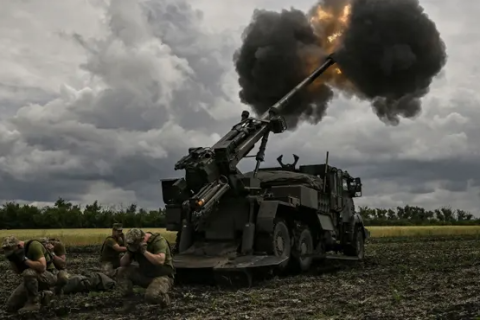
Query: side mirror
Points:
[358, 187]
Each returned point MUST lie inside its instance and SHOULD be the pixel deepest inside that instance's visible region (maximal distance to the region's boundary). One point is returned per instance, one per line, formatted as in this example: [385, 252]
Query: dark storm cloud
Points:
[390, 51]
[18, 94]
[177, 25]
[162, 74]
[162, 69]
[273, 60]
[47, 189]
[13, 97]
[455, 171]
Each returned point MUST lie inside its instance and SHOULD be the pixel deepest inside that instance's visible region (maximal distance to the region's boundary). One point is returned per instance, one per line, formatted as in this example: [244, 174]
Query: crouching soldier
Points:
[56, 250]
[31, 260]
[155, 270]
[112, 247]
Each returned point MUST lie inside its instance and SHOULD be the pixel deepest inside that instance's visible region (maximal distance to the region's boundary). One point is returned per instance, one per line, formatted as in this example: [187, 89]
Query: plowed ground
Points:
[402, 278]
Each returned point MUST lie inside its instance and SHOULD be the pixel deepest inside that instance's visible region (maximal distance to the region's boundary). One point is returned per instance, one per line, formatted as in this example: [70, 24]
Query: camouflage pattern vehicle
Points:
[280, 217]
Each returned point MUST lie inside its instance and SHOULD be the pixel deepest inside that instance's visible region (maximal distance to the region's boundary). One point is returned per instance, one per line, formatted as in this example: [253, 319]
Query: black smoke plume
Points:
[389, 53]
[274, 58]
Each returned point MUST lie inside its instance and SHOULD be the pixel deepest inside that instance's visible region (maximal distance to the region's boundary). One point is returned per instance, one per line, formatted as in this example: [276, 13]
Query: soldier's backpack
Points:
[103, 245]
[51, 256]
[48, 252]
[155, 236]
[22, 266]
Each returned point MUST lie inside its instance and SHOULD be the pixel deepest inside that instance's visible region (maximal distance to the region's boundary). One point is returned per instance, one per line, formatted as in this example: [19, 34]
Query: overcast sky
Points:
[100, 99]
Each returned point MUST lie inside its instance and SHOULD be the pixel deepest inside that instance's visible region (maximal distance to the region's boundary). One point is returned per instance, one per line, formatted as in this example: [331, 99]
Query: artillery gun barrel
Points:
[237, 143]
[312, 77]
[219, 161]
[249, 142]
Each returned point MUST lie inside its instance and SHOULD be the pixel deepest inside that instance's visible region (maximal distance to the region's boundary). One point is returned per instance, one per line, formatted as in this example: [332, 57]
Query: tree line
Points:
[64, 214]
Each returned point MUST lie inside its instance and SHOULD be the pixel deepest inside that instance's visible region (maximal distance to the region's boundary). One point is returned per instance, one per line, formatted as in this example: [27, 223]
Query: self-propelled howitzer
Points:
[228, 220]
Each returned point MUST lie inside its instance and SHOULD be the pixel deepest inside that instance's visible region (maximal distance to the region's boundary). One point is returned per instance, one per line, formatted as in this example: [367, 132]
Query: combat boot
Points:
[165, 301]
[32, 306]
[47, 297]
[125, 287]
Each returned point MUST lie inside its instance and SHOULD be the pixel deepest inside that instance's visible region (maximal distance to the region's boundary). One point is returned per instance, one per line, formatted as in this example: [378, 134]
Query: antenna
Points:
[326, 171]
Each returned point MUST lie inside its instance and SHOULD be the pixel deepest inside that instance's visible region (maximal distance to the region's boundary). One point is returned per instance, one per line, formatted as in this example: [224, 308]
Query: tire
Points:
[357, 248]
[281, 242]
[303, 246]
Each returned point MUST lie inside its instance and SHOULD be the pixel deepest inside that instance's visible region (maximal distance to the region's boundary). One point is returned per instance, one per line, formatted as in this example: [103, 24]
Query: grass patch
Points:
[412, 231]
[82, 237]
[77, 237]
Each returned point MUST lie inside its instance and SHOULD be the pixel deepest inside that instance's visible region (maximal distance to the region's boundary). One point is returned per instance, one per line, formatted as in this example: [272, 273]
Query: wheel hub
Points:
[280, 244]
[303, 248]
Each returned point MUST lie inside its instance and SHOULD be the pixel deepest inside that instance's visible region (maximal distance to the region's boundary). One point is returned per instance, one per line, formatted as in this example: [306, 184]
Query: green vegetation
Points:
[416, 216]
[79, 237]
[86, 237]
[65, 215]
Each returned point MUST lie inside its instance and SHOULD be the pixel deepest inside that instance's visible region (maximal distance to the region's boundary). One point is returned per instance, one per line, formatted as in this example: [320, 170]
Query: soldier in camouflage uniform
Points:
[88, 281]
[56, 250]
[31, 260]
[155, 270]
[112, 247]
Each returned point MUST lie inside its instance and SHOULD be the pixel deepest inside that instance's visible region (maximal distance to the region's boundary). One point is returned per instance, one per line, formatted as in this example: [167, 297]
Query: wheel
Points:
[281, 242]
[303, 246]
[357, 249]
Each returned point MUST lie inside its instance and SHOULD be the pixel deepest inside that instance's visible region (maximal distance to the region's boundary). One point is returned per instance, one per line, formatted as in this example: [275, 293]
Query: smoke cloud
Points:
[274, 58]
[387, 52]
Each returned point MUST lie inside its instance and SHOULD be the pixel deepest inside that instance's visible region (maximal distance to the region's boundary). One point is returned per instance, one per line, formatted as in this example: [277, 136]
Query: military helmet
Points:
[10, 241]
[44, 240]
[134, 236]
[117, 227]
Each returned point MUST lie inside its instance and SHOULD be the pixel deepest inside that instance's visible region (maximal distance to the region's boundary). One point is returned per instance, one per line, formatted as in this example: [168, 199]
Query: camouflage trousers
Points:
[29, 290]
[62, 279]
[110, 269]
[157, 287]
[95, 281]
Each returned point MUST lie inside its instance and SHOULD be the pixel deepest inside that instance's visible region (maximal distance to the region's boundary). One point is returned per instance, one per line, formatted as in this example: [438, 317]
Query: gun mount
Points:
[227, 221]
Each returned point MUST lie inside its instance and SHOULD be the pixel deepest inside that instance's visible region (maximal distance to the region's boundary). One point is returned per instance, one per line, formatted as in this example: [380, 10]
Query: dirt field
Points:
[402, 278]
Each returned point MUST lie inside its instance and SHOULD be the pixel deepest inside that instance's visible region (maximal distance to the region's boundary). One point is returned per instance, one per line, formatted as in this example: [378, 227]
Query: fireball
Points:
[329, 23]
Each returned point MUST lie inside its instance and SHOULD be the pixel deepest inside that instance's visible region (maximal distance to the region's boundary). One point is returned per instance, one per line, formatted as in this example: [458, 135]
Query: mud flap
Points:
[247, 262]
[238, 271]
[225, 263]
[187, 261]
[242, 271]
